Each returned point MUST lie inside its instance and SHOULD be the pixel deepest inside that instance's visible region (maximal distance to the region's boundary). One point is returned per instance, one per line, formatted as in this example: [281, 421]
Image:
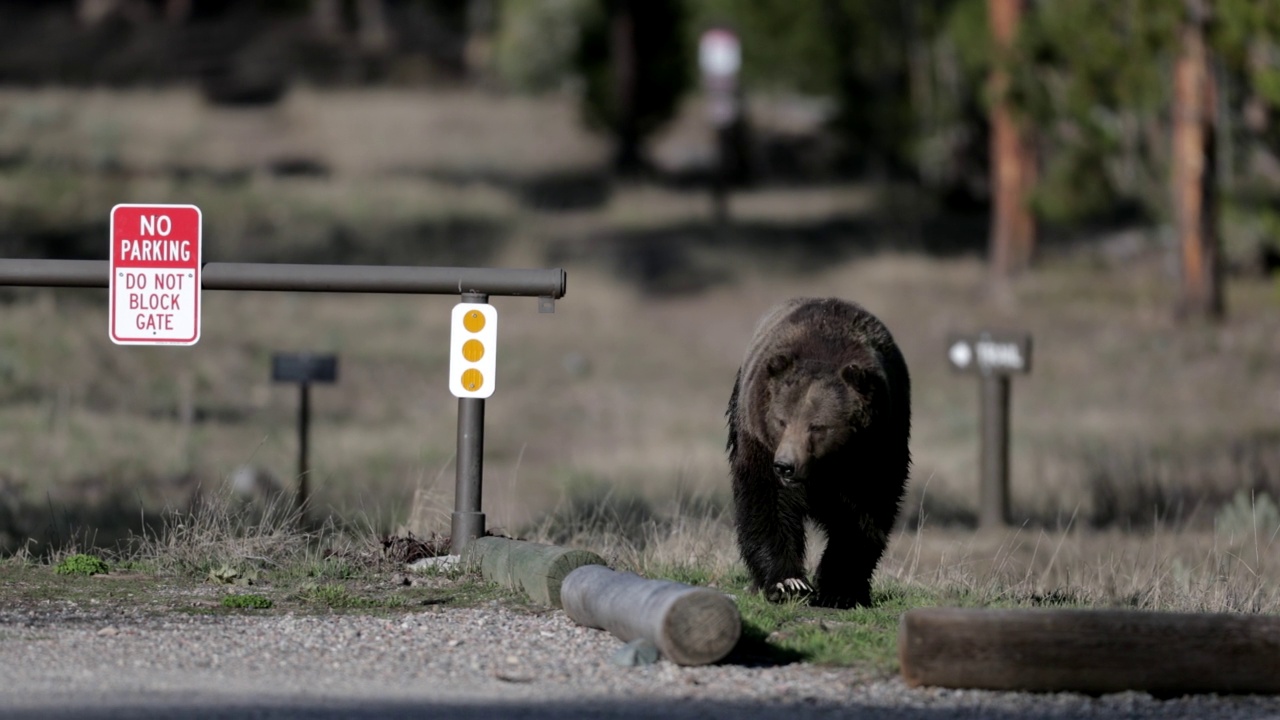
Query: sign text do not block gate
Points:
[155, 274]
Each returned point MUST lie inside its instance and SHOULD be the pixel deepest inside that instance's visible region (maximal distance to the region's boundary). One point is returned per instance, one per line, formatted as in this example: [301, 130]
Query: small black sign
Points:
[988, 353]
[304, 367]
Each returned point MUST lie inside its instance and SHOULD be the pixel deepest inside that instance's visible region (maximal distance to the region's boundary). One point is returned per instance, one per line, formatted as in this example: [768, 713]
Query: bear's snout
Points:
[789, 469]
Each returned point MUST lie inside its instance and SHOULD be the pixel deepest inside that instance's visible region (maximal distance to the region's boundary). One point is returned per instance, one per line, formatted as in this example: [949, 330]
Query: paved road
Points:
[458, 663]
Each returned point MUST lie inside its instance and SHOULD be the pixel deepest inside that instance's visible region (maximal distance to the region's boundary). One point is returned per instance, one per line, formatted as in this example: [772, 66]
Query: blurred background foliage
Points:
[907, 78]
[574, 132]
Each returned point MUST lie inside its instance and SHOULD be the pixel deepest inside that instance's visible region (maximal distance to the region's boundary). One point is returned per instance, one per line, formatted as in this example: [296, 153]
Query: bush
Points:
[536, 42]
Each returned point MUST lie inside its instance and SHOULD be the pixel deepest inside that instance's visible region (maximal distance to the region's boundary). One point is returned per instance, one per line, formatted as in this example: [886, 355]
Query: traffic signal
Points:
[473, 348]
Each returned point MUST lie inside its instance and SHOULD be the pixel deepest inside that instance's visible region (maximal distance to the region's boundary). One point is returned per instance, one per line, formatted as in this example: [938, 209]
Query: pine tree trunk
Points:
[623, 60]
[374, 35]
[177, 11]
[326, 19]
[1194, 206]
[1012, 161]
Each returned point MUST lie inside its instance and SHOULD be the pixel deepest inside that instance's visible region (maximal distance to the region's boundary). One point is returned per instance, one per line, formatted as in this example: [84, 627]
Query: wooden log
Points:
[1090, 651]
[533, 568]
[689, 625]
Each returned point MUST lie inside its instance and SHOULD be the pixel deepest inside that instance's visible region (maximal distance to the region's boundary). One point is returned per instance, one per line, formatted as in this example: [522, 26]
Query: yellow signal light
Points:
[473, 321]
[472, 350]
[472, 379]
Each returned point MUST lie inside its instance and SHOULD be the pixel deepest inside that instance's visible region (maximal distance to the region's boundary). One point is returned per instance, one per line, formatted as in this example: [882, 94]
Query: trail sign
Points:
[994, 358]
[719, 53]
[991, 353]
[155, 274]
[719, 59]
[304, 368]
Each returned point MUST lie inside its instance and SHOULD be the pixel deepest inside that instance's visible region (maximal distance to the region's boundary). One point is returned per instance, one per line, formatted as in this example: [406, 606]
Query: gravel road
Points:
[457, 663]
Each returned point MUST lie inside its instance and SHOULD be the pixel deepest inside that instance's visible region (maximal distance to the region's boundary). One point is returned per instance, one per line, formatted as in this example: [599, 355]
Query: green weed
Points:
[337, 597]
[81, 564]
[246, 602]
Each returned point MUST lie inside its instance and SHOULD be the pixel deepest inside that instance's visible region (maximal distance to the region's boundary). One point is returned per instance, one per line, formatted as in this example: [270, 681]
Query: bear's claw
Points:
[793, 586]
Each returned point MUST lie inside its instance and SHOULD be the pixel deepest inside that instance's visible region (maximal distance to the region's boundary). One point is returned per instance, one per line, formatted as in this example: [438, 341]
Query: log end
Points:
[701, 627]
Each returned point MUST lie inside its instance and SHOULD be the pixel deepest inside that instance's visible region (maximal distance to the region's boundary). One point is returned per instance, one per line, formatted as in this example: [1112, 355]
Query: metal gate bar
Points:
[309, 278]
[471, 284]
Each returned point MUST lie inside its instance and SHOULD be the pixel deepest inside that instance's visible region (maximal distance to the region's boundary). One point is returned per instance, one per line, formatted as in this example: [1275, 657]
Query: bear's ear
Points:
[777, 364]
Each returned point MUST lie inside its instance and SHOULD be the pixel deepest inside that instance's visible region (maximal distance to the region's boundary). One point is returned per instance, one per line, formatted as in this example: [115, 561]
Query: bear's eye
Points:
[818, 428]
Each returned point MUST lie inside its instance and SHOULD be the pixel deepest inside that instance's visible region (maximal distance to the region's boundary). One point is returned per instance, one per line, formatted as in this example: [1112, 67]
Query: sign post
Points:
[719, 60]
[994, 358]
[304, 369]
[155, 283]
[472, 362]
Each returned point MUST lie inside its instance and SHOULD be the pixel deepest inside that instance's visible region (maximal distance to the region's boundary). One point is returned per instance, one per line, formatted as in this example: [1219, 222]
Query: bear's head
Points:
[816, 409]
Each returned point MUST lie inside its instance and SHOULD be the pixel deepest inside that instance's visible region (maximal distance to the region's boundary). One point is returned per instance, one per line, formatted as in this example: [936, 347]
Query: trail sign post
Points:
[155, 275]
[304, 369]
[994, 358]
[719, 60]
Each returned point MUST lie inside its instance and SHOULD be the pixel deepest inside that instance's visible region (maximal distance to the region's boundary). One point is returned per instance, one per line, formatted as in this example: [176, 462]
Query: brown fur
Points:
[819, 423]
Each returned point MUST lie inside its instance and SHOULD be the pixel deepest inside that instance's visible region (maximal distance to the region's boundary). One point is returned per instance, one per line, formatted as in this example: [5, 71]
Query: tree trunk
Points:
[478, 52]
[622, 47]
[374, 35]
[326, 19]
[177, 12]
[1013, 166]
[1194, 177]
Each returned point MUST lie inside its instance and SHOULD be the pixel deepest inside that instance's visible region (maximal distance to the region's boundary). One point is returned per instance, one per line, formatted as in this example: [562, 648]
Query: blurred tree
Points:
[1013, 163]
[1194, 164]
[905, 75]
[537, 42]
[633, 58]
[1090, 75]
[480, 30]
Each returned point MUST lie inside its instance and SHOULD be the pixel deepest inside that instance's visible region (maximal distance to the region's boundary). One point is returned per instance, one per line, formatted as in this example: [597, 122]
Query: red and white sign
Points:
[719, 53]
[155, 274]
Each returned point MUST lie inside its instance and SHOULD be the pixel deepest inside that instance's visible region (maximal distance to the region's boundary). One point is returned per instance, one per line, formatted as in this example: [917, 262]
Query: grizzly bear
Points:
[819, 422]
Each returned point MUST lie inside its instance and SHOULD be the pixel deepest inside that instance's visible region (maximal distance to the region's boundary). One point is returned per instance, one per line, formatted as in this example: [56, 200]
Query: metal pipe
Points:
[309, 278]
[304, 423]
[467, 521]
[994, 490]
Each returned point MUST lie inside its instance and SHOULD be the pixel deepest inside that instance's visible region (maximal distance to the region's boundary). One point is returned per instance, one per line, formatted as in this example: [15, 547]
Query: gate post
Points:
[467, 521]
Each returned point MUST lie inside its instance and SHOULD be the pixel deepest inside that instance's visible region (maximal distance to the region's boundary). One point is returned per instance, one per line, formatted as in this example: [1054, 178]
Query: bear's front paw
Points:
[788, 589]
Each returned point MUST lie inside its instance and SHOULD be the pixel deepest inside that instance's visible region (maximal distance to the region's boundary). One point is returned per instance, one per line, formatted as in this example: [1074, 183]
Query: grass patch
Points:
[860, 636]
[338, 597]
[81, 564]
[247, 601]
[865, 637]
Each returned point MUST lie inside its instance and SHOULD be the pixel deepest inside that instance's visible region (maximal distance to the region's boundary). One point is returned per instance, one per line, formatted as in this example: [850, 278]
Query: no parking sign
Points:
[155, 274]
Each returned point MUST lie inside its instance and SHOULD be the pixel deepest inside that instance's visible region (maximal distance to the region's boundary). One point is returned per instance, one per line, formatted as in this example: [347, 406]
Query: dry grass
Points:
[1130, 437]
